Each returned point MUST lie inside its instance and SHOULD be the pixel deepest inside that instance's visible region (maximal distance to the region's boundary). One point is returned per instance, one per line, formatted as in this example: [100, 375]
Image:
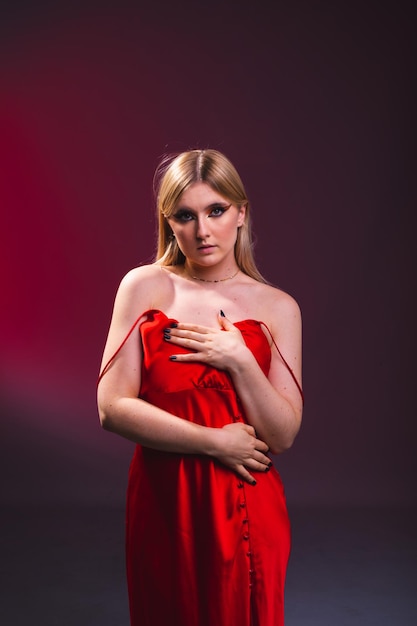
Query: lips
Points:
[206, 250]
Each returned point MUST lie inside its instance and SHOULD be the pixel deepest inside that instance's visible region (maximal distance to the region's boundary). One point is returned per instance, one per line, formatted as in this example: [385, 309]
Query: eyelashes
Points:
[183, 216]
[215, 210]
[218, 210]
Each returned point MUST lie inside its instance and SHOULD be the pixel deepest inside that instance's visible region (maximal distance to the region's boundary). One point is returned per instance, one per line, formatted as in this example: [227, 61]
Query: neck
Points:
[211, 275]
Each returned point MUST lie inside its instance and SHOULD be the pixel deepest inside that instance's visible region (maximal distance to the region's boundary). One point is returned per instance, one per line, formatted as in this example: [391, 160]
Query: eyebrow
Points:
[213, 205]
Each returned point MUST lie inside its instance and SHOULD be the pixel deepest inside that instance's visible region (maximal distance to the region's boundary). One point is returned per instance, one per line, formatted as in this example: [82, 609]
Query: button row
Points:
[246, 536]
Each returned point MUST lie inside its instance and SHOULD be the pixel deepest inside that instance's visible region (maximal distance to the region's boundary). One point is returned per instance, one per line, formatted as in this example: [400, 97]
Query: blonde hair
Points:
[174, 175]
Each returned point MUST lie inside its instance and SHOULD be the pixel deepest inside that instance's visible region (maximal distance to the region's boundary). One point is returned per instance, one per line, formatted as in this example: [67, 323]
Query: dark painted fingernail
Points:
[167, 336]
[167, 330]
[172, 357]
[253, 482]
[222, 314]
[270, 464]
[174, 325]
[267, 468]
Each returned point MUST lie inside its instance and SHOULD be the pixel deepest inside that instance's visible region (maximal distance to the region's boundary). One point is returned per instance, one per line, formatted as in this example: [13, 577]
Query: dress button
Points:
[246, 536]
[244, 521]
[249, 553]
[242, 505]
[240, 485]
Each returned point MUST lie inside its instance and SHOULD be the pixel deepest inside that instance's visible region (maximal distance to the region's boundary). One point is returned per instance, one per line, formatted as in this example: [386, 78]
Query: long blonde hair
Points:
[174, 175]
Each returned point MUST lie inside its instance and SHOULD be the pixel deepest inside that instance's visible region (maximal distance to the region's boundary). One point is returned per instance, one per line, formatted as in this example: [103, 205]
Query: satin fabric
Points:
[203, 548]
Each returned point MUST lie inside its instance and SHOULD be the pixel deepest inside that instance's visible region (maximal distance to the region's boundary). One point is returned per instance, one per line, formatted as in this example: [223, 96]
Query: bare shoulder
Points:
[142, 275]
[284, 302]
[278, 309]
[278, 306]
[281, 313]
[139, 287]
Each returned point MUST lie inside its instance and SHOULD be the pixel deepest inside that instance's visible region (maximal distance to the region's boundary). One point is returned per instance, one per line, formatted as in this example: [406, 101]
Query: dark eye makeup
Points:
[219, 209]
[183, 216]
[215, 210]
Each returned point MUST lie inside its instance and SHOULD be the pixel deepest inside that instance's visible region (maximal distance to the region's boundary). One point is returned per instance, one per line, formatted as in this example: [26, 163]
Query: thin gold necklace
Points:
[219, 280]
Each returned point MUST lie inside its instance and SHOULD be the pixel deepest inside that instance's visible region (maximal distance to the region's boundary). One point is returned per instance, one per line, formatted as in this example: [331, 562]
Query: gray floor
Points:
[348, 566]
[353, 567]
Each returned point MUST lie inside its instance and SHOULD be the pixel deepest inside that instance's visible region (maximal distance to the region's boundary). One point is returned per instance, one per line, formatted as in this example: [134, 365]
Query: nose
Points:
[202, 227]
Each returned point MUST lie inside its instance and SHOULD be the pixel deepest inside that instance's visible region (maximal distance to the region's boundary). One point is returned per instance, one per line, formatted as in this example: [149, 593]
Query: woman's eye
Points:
[216, 211]
[183, 216]
[187, 216]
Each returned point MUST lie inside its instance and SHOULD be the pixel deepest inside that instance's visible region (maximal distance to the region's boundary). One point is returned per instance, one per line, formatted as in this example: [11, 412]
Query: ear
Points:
[241, 216]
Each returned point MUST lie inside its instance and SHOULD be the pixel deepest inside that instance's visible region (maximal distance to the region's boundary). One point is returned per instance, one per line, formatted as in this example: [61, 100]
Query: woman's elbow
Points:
[284, 441]
[106, 417]
[281, 446]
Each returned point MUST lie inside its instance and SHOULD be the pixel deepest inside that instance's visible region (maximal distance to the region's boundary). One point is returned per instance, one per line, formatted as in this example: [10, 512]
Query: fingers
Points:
[260, 445]
[249, 429]
[261, 458]
[195, 332]
[253, 457]
[258, 461]
[188, 339]
[187, 330]
[224, 322]
[258, 466]
[184, 337]
[243, 473]
[238, 449]
[208, 345]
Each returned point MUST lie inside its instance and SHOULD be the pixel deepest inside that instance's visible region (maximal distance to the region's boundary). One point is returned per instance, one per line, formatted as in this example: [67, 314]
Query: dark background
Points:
[314, 103]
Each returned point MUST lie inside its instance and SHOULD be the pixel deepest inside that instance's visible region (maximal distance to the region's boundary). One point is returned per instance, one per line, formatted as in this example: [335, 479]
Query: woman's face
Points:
[205, 226]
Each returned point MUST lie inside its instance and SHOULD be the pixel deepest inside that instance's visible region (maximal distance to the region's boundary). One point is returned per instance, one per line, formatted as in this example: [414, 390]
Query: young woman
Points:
[202, 370]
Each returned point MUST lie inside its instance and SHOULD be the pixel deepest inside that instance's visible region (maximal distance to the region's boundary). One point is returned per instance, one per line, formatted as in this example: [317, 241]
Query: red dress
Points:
[203, 547]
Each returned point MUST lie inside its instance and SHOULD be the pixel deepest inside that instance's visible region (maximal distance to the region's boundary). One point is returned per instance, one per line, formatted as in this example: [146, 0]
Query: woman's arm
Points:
[122, 412]
[273, 404]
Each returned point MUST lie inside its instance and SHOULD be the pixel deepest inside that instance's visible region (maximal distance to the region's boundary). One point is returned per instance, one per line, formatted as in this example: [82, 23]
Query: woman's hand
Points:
[238, 448]
[217, 347]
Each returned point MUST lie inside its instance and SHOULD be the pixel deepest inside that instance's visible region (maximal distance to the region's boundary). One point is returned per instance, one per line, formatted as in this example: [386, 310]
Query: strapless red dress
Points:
[203, 547]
